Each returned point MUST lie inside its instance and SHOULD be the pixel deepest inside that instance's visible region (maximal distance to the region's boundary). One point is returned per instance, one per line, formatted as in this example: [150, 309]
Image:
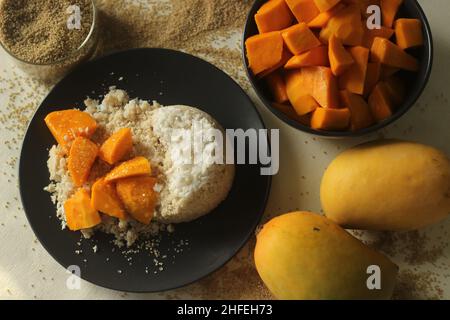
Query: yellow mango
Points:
[387, 185]
[138, 196]
[116, 147]
[105, 199]
[79, 212]
[138, 166]
[303, 256]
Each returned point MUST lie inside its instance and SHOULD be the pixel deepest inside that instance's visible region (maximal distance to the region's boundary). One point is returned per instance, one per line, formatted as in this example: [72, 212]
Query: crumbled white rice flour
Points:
[187, 191]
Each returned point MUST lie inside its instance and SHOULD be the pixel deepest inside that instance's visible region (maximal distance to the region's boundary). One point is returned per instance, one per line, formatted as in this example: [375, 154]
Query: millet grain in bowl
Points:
[186, 191]
[42, 36]
[36, 31]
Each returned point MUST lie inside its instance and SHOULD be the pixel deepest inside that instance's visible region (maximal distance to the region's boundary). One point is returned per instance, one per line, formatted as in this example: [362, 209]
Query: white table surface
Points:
[27, 271]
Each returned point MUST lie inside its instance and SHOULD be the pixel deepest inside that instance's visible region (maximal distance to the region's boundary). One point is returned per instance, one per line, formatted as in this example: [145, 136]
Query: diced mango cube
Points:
[138, 166]
[105, 199]
[138, 196]
[79, 212]
[82, 155]
[66, 125]
[116, 147]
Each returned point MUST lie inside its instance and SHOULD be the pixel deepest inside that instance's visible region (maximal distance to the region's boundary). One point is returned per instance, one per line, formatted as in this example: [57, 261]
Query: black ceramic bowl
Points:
[416, 82]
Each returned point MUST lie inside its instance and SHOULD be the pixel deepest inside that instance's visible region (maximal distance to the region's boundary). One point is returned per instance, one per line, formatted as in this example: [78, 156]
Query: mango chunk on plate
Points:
[79, 212]
[82, 155]
[116, 147]
[138, 166]
[138, 196]
[104, 198]
[66, 125]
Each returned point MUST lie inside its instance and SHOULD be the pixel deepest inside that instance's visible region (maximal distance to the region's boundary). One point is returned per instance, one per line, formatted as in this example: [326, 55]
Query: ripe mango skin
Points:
[387, 185]
[304, 256]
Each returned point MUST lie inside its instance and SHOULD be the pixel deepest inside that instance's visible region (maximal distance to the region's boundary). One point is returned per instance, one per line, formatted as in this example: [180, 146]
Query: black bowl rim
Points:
[344, 134]
[244, 241]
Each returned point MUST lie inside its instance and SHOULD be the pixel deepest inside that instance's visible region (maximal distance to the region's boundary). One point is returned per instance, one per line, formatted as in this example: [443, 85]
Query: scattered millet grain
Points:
[414, 246]
[417, 286]
[188, 25]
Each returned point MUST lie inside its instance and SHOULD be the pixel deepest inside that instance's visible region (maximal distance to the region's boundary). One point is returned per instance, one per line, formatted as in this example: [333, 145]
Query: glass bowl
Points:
[53, 71]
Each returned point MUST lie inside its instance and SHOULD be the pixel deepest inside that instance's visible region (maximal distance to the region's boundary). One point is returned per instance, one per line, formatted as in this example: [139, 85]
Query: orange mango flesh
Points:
[373, 75]
[371, 34]
[264, 51]
[361, 116]
[299, 93]
[354, 78]
[389, 9]
[299, 38]
[346, 25]
[274, 15]
[303, 10]
[116, 147]
[79, 212]
[104, 198]
[363, 5]
[82, 155]
[380, 102]
[277, 86]
[340, 58]
[325, 5]
[315, 57]
[322, 19]
[322, 86]
[289, 111]
[390, 54]
[285, 56]
[66, 125]
[138, 196]
[138, 166]
[408, 33]
[330, 119]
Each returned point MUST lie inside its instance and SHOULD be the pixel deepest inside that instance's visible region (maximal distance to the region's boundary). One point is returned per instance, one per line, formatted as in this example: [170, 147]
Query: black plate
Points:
[214, 238]
[416, 82]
